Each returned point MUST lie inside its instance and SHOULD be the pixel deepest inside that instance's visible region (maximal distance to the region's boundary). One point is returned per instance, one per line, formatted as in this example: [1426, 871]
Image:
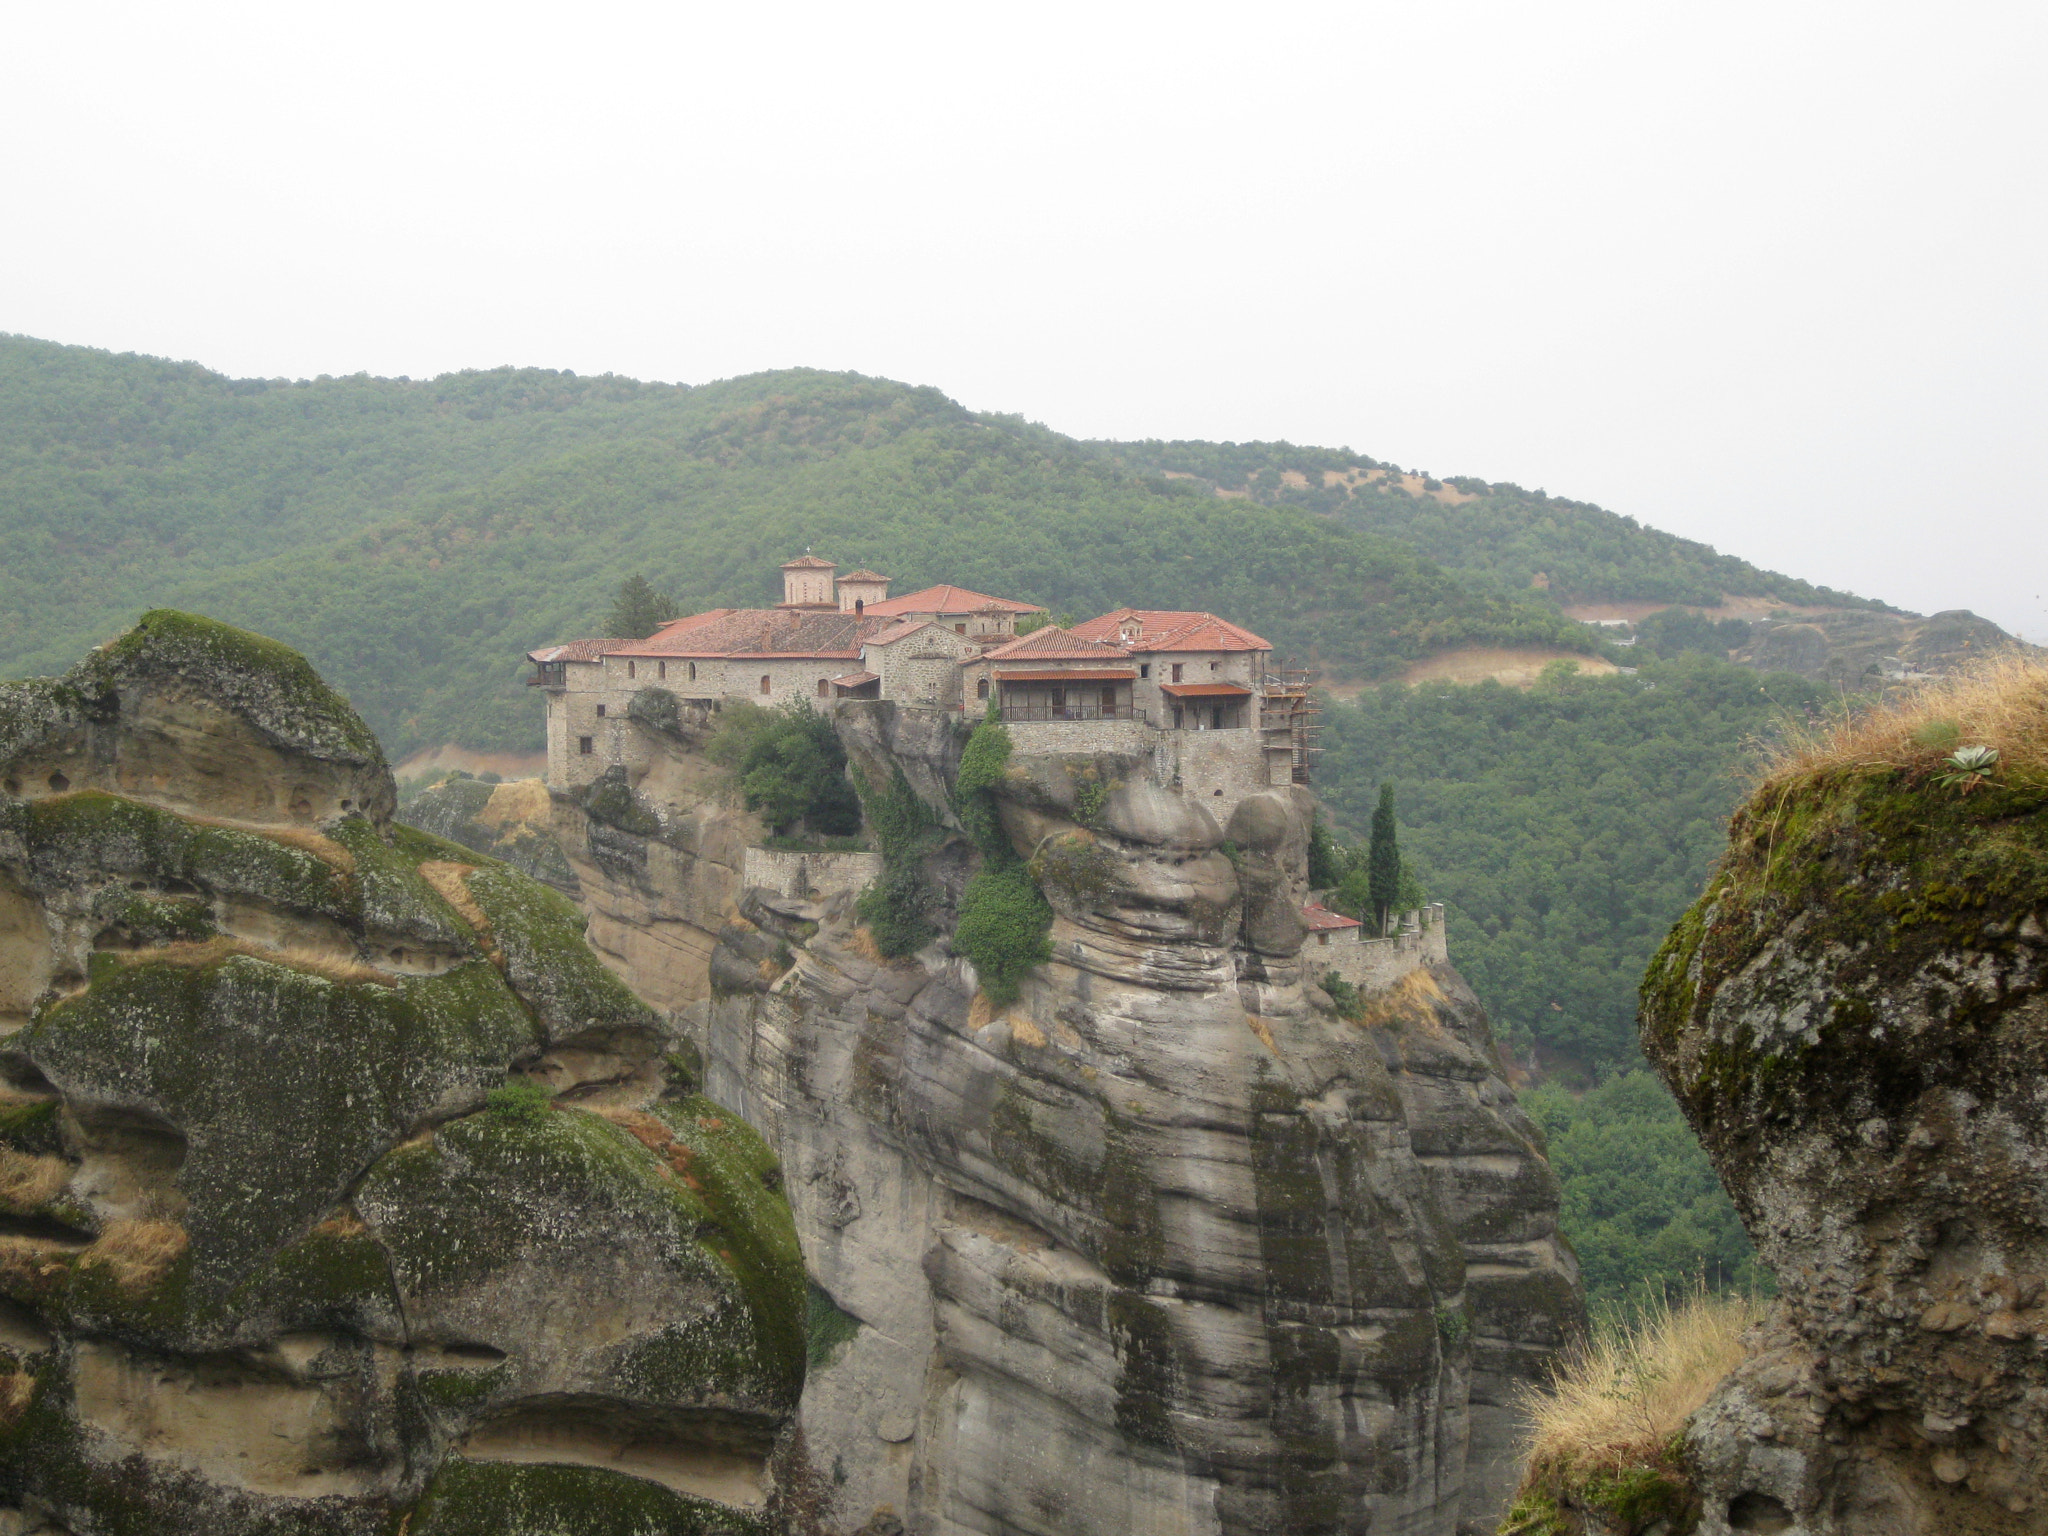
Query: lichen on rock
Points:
[282, 1248]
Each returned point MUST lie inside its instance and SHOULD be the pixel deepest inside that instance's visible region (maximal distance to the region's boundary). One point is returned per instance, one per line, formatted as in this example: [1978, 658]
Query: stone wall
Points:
[1053, 738]
[810, 876]
[1217, 768]
[1377, 965]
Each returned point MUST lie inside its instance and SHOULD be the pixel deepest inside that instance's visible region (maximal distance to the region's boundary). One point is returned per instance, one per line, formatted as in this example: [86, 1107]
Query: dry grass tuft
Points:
[17, 1389]
[27, 1184]
[2001, 702]
[1619, 1400]
[139, 1253]
[206, 952]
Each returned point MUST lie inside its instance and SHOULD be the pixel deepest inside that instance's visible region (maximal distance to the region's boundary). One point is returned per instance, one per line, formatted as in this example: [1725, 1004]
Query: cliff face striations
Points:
[341, 1189]
[1162, 1245]
[1854, 1020]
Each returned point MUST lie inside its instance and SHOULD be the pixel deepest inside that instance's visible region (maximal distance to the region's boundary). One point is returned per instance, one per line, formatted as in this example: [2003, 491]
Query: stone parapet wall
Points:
[1374, 965]
[1215, 769]
[1052, 738]
[809, 876]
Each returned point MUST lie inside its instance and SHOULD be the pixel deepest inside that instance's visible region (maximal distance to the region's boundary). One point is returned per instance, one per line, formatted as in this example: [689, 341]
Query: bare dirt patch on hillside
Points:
[1516, 666]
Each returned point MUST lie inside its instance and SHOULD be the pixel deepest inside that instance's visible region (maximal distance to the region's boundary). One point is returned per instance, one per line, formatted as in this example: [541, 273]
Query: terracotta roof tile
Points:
[1167, 629]
[902, 629]
[577, 650]
[948, 599]
[863, 574]
[809, 563]
[1321, 920]
[1054, 641]
[766, 632]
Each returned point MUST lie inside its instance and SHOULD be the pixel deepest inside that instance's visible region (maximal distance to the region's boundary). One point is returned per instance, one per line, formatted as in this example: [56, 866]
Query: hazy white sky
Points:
[1769, 275]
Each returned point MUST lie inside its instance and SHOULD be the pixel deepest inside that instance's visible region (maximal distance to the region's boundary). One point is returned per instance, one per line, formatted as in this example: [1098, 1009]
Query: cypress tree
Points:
[638, 611]
[1383, 858]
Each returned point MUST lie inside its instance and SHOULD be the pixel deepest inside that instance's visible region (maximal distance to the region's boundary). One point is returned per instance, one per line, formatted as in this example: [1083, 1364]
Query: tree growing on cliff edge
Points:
[1383, 859]
[638, 610]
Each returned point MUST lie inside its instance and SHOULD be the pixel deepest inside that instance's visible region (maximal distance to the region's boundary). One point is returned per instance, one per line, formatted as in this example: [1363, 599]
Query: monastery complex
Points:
[1196, 692]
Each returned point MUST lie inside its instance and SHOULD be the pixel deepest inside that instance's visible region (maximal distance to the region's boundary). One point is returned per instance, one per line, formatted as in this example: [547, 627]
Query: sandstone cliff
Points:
[1853, 1017]
[1164, 1245]
[342, 1190]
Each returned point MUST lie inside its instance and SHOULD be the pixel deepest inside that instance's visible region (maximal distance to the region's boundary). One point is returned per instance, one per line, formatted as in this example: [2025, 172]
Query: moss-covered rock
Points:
[1853, 1017]
[305, 1235]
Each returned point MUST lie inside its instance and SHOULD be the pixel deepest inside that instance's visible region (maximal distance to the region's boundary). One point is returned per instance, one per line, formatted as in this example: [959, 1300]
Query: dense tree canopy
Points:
[1565, 827]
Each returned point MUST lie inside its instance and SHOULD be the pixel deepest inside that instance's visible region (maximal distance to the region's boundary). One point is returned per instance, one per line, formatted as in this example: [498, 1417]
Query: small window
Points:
[824, 687]
[600, 711]
[860, 606]
[1176, 671]
[767, 683]
[1144, 669]
[693, 671]
[629, 669]
[959, 629]
[1215, 666]
[661, 670]
[981, 689]
[1322, 938]
[583, 745]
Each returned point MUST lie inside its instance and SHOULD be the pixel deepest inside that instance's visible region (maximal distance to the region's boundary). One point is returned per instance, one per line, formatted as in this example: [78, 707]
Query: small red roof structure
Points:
[1205, 690]
[949, 599]
[1320, 919]
[1052, 641]
[576, 650]
[864, 574]
[808, 563]
[1167, 629]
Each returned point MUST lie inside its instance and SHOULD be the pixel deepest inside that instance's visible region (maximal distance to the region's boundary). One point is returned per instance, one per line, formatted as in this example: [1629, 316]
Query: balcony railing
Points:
[1074, 710]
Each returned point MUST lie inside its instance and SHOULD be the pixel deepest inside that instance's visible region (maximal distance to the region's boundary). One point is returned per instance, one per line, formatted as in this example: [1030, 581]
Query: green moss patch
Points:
[540, 933]
[267, 1068]
[76, 839]
[486, 1498]
[269, 684]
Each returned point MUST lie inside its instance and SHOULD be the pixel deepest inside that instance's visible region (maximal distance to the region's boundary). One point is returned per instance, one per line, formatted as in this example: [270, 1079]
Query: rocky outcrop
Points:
[342, 1190]
[1165, 1245]
[1862, 648]
[1854, 1020]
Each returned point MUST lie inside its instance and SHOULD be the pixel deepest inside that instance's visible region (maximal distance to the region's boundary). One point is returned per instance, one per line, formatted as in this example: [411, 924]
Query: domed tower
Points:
[807, 582]
[861, 590]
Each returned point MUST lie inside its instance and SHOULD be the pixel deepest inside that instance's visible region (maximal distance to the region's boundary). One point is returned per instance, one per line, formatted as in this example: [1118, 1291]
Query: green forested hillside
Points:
[1498, 534]
[1564, 827]
[414, 539]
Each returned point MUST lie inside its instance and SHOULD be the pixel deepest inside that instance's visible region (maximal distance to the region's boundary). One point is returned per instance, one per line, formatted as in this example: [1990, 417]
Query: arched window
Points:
[860, 606]
[766, 682]
[824, 688]
[693, 671]
[661, 670]
[981, 689]
[629, 669]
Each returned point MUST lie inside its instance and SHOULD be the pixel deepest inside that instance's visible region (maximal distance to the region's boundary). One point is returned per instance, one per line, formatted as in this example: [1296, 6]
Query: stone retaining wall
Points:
[809, 876]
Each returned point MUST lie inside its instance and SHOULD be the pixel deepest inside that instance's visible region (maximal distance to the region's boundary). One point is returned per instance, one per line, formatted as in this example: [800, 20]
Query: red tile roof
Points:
[1321, 920]
[855, 680]
[766, 632]
[1166, 629]
[809, 563]
[576, 650]
[1205, 690]
[1054, 641]
[864, 574]
[1068, 675]
[949, 600]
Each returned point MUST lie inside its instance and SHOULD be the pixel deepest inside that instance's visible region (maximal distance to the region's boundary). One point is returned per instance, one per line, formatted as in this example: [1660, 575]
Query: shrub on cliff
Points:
[1004, 920]
[791, 766]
